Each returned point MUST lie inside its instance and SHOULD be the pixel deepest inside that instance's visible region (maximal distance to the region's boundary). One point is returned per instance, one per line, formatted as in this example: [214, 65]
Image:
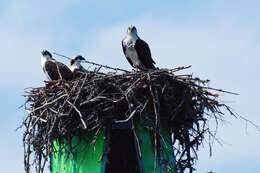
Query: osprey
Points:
[76, 67]
[53, 69]
[137, 51]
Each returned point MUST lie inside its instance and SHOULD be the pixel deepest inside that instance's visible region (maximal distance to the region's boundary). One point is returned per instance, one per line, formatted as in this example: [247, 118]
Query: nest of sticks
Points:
[97, 99]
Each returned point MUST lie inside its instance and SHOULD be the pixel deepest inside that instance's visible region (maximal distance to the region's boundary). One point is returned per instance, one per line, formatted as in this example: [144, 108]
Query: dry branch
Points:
[98, 99]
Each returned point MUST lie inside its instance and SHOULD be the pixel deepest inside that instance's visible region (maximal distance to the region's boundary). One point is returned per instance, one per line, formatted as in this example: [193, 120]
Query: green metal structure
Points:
[86, 158]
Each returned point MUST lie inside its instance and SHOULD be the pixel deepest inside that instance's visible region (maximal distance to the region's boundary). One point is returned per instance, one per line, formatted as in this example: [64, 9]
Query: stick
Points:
[156, 121]
[220, 90]
[122, 121]
[80, 115]
[93, 63]
[46, 104]
[58, 69]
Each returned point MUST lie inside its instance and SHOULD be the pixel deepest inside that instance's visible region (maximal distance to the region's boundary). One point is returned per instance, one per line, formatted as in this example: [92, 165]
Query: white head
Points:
[75, 62]
[46, 54]
[131, 30]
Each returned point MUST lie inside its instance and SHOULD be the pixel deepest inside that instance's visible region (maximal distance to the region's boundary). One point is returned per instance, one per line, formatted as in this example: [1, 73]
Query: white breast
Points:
[43, 61]
[129, 43]
[132, 54]
[73, 67]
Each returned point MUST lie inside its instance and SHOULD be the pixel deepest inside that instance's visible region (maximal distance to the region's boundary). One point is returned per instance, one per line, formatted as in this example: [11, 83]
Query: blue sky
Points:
[220, 39]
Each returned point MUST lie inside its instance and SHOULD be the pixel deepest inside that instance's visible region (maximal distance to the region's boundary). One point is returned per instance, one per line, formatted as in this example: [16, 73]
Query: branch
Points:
[80, 115]
[93, 63]
[48, 103]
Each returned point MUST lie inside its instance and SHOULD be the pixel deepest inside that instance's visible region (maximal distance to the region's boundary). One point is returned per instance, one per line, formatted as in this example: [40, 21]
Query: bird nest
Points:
[59, 110]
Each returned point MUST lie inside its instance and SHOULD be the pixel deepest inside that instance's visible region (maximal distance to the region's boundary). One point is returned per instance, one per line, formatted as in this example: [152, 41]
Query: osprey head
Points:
[131, 30]
[46, 53]
[77, 60]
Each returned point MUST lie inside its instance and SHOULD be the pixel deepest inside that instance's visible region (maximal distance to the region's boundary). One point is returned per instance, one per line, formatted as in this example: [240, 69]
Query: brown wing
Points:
[66, 73]
[51, 69]
[124, 50]
[144, 54]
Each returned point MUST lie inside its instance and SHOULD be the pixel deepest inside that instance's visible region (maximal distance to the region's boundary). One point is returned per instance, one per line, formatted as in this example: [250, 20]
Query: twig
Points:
[80, 115]
[131, 115]
[220, 90]
[136, 139]
[49, 103]
[156, 122]
[96, 64]
[58, 69]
